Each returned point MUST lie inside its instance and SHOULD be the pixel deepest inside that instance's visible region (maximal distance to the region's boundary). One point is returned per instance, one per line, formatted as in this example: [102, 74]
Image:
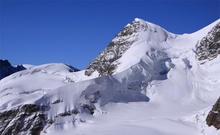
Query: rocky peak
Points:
[134, 27]
[106, 62]
[7, 69]
[209, 46]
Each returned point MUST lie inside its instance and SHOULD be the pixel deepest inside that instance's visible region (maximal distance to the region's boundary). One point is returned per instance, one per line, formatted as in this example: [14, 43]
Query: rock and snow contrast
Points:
[147, 81]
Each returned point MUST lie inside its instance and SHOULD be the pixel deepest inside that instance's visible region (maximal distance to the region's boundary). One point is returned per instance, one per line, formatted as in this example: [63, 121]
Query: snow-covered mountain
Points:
[147, 80]
[138, 32]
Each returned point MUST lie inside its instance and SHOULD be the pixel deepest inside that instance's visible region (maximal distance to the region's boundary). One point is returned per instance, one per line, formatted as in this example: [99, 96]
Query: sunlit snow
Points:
[158, 88]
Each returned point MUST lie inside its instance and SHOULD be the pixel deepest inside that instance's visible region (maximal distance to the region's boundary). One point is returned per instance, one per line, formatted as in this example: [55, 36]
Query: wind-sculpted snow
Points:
[146, 81]
[99, 91]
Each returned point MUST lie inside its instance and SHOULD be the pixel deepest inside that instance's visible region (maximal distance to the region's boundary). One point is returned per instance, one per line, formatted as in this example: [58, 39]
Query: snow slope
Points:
[32, 83]
[158, 87]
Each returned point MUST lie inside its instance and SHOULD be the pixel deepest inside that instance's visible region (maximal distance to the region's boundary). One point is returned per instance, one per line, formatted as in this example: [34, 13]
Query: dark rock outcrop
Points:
[213, 118]
[27, 118]
[7, 69]
[209, 47]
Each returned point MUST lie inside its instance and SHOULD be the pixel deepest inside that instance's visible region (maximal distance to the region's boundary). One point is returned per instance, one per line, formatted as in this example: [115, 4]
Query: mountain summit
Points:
[134, 33]
[146, 78]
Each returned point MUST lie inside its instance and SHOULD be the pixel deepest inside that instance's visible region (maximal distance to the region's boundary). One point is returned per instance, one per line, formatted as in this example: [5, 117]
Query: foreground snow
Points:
[140, 118]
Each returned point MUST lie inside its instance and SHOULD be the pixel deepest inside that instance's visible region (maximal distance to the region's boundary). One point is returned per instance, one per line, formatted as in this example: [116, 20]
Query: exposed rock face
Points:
[106, 62]
[32, 119]
[29, 118]
[209, 47]
[7, 69]
[213, 118]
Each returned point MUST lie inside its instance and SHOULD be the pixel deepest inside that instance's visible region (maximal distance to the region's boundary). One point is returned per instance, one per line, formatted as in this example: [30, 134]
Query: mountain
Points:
[138, 31]
[7, 69]
[147, 80]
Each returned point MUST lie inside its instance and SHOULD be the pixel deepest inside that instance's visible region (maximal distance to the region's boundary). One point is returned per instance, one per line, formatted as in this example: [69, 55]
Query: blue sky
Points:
[74, 32]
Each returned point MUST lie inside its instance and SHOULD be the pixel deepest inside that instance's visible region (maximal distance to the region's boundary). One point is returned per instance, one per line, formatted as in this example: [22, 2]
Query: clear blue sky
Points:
[74, 32]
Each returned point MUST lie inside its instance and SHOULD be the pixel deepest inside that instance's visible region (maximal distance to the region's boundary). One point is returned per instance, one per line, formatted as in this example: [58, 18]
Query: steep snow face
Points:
[134, 33]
